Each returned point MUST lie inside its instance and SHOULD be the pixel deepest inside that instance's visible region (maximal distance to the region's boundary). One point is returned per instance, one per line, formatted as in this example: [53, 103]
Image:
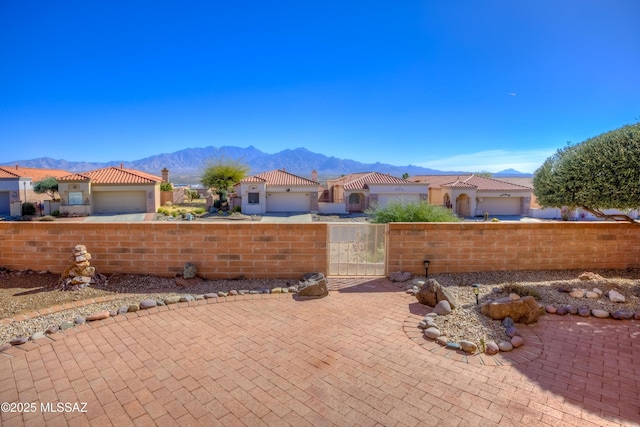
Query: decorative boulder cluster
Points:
[80, 274]
[313, 285]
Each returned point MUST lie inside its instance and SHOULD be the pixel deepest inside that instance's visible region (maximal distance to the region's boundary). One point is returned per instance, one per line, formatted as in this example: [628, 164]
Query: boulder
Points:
[400, 276]
[313, 285]
[589, 276]
[431, 293]
[525, 310]
[189, 271]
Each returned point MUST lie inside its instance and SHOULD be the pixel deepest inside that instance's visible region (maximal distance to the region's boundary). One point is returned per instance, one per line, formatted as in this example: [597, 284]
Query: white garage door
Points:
[383, 199]
[501, 205]
[288, 202]
[119, 202]
[5, 207]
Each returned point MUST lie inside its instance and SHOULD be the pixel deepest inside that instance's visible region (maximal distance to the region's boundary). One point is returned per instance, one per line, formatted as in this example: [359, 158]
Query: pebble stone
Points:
[512, 332]
[551, 309]
[508, 322]
[561, 311]
[442, 341]
[52, 330]
[453, 345]
[492, 348]
[584, 311]
[37, 336]
[622, 314]
[233, 292]
[222, 294]
[66, 325]
[468, 346]
[148, 303]
[79, 320]
[19, 341]
[124, 309]
[173, 299]
[210, 296]
[98, 316]
[186, 298]
[133, 308]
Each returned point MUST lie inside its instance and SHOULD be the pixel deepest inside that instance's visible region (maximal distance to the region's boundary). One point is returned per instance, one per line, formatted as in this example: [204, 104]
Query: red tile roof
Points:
[278, 177]
[34, 173]
[114, 175]
[472, 181]
[362, 181]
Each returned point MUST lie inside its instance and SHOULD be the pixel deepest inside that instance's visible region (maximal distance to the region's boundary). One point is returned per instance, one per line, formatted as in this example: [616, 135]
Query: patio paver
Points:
[342, 360]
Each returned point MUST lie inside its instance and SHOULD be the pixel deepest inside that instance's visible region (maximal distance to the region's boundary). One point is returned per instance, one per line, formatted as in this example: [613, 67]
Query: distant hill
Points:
[186, 165]
[511, 173]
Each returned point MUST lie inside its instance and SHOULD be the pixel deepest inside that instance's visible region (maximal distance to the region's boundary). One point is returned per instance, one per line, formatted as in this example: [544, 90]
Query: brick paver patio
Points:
[348, 359]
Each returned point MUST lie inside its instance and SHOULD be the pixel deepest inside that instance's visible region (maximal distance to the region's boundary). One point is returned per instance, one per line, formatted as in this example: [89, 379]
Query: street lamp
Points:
[426, 263]
[476, 292]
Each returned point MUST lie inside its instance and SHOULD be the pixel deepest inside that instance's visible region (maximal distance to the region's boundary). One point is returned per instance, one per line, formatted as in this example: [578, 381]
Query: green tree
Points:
[222, 173]
[484, 174]
[599, 173]
[405, 175]
[48, 186]
[410, 212]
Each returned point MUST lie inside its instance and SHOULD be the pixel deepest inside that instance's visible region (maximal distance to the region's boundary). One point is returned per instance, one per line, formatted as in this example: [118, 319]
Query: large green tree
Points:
[222, 173]
[48, 186]
[600, 173]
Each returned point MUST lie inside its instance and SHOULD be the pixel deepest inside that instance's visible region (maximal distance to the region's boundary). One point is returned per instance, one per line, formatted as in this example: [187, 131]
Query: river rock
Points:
[133, 308]
[561, 311]
[186, 298]
[602, 314]
[512, 331]
[468, 346]
[551, 309]
[505, 346]
[172, 299]
[148, 303]
[442, 340]
[589, 276]
[453, 345]
[577, 293]
[442, 308]
[514, 297]
[525, 310]
[615, 296]
[584, 311]
[592, 295]
[98, 316]
[124, 309]
[492, 348]
[508, 322]
[517, 341]
[622, 314]
[432, 333]
[19, 341]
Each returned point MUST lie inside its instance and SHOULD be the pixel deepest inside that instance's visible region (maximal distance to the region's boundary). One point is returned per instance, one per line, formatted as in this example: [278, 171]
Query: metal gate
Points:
[357, 249]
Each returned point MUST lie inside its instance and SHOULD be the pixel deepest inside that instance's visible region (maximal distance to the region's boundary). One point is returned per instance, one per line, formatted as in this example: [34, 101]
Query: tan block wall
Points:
[474, 247]
[258, 250]
[218, 250]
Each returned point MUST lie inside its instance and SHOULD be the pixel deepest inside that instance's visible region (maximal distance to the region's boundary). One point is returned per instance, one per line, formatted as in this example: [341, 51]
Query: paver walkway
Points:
[343, 360]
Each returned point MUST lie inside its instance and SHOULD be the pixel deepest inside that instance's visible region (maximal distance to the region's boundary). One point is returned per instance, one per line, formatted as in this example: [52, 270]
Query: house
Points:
[16, 187]
[277, 191]
[108, 191]
[359, 191]
[475, 195]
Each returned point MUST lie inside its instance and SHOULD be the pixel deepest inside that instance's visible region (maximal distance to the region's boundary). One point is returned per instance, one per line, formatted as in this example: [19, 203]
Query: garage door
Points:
[5, 207]
[501, 205]
[119, 202]
[383, 199]
[288, 202]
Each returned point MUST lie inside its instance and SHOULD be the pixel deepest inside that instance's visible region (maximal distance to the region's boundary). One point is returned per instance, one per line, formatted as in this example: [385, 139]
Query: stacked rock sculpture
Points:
[80, 274]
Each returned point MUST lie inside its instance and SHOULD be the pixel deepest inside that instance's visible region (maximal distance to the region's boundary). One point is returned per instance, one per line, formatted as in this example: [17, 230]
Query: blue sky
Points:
[472, 85]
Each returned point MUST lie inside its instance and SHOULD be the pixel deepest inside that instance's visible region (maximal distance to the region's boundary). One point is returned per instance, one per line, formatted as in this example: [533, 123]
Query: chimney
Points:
[121, 166]
[284, 169]
[314, 175]
[165, 175]
[16, 167]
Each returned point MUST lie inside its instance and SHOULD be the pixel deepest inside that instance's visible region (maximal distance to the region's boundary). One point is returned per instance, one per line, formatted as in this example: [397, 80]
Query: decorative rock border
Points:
[143, 308]
[595, 312]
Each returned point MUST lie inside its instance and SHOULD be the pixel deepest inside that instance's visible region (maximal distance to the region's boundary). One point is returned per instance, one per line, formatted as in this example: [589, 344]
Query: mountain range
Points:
[187, 165]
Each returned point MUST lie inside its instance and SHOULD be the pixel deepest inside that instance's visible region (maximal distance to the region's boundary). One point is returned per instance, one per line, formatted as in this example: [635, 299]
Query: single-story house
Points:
[359, 191]
[16, 187]
[475, 195]
[109, 190]
[277, 191]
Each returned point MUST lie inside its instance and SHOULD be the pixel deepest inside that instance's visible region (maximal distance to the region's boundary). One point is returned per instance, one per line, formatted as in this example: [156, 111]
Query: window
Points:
[254, 198]
[354, 198]
[75, 197]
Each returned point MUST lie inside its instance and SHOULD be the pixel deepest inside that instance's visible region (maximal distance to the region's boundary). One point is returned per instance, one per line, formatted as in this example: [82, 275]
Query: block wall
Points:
[221, 250]
[474, 247]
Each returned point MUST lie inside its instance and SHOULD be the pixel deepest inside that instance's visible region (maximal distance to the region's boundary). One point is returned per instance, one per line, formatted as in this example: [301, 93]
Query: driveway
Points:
[352, 358]
[280, 217]
[133, 217]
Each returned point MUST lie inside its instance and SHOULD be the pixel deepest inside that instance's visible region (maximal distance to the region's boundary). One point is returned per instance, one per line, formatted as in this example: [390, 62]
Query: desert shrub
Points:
[174, 214]
[28, 208]
[237, 209]
[199, 211]
[47, 218]
[168, 204]
[411, 212]
[495, 220]
[55, 213]
[521, 290]
[166, 186]
[164, 211]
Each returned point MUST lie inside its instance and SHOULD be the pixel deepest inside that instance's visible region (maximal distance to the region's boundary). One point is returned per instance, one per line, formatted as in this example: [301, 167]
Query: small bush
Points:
[174, 214]
[166, 186]
[55, 213]
[164, 211]
[47, 218]
[237, 209]
[28, 208]
[168, 204]
[521, 290]
[199, 211]
[411, 212]
[495, 220]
